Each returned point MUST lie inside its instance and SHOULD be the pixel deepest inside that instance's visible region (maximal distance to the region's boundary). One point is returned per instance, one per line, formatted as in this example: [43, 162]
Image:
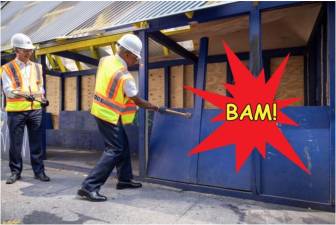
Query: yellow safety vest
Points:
[21, 104]
[110, 102]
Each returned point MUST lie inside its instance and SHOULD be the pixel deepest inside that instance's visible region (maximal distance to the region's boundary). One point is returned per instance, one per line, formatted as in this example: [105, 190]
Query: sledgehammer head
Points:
[188, 115]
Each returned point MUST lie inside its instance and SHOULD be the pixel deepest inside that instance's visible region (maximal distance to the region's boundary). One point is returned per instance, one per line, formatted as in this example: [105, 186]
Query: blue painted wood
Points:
[143, 93]
[199, 102]
[267, 67]
[172, 45]
[255, 65]
[167, 86]
[325, 60]
[223, 11]
[305, 78]
[79, 73]
[78, 129]
[331, 69]
[76, 139]
[80, 120]
[48, 121]
[87, 139]
[167, 22]
[217, 167]
[270, 5]
[170, 141]
[54, 73]
[282, 178]
[294, 51]
[78, 93]
[163, 152]
[78, 57]
[5, 58]
[314, 61]
[62, 87]
[44, 144]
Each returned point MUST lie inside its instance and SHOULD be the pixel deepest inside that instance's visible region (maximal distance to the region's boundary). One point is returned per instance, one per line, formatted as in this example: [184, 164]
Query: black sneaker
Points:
[128, 184]
[13, 178]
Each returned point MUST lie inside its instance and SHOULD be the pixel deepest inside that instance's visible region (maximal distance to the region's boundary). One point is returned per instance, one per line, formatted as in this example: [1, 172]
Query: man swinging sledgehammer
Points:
[114, 105]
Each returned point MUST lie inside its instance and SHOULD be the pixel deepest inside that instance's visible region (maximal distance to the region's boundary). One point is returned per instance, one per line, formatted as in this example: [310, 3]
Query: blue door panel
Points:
[217, 167]
[170, 141]
[311, 141]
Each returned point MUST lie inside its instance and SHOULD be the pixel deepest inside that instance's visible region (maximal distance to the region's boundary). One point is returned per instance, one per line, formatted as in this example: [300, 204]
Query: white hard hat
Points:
[132, 43]
[20, 40]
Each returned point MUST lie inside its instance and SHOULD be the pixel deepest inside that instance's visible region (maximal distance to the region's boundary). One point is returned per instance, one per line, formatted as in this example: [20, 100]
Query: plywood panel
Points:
[189, 81]
[70, 94]
[292, 82]
[53, 94]
[215, 80]
[88, 86]
[176, 86]
[156, 86]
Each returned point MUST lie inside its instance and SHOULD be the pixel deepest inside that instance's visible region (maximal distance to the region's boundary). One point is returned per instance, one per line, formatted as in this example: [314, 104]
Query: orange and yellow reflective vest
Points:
[35, 82]
[109, 102]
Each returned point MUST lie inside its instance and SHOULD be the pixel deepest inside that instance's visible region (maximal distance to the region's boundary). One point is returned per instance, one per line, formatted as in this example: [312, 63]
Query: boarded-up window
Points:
[292, 82]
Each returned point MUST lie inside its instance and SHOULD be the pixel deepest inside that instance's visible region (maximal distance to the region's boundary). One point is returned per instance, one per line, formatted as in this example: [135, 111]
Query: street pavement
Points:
[30, 201]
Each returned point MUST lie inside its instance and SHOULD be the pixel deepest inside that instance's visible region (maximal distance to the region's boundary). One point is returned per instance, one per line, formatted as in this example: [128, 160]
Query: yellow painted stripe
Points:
[100, 41]
[60, 64]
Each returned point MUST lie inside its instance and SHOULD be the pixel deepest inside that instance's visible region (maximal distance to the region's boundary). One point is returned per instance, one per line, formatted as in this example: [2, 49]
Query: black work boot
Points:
[128, 184]
[13, 178]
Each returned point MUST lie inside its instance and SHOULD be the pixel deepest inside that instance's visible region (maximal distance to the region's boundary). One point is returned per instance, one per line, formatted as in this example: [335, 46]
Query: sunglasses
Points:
[25, 50]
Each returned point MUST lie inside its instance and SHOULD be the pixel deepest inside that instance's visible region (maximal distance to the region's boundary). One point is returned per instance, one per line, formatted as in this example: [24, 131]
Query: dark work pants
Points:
[16, 124]
[116, 154]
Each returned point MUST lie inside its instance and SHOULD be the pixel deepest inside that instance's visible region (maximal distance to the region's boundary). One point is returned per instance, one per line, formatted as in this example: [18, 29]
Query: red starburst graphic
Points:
[242, 128]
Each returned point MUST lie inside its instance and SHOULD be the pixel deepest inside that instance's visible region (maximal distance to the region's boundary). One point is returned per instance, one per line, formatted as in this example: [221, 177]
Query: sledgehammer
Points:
[173, 112]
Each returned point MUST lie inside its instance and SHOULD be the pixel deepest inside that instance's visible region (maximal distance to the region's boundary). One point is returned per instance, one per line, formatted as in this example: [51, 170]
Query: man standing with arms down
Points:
[23, 83]
[114, 105]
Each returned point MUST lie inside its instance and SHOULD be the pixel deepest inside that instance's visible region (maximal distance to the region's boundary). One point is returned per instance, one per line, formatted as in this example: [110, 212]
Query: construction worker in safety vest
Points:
[23, 85]
[114, 105]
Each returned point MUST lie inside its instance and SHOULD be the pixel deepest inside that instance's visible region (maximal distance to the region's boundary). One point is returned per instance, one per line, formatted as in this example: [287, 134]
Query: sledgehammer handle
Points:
[170, 111]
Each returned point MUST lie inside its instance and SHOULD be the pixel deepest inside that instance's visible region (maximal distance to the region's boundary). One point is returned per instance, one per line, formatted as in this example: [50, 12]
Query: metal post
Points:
[62, 87]
[331, 70]
[78, 93]
[198, 106]
[255, 64]
[142, 114]
[44, 135]
[167, 85]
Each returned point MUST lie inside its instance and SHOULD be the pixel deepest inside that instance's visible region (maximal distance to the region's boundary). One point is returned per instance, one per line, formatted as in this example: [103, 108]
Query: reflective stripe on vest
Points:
[14, 74]
[21, 104]
[110, 102]
[114, 82]
[114, 106]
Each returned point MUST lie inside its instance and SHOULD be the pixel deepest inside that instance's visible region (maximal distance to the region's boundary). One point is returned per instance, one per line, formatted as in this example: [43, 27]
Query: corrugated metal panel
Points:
[17, 16]
[107, 17]
[44, 21]
[139, 11]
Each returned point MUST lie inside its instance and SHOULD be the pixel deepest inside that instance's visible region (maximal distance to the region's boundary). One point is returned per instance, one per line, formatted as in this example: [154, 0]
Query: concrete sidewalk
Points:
[55, 202]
